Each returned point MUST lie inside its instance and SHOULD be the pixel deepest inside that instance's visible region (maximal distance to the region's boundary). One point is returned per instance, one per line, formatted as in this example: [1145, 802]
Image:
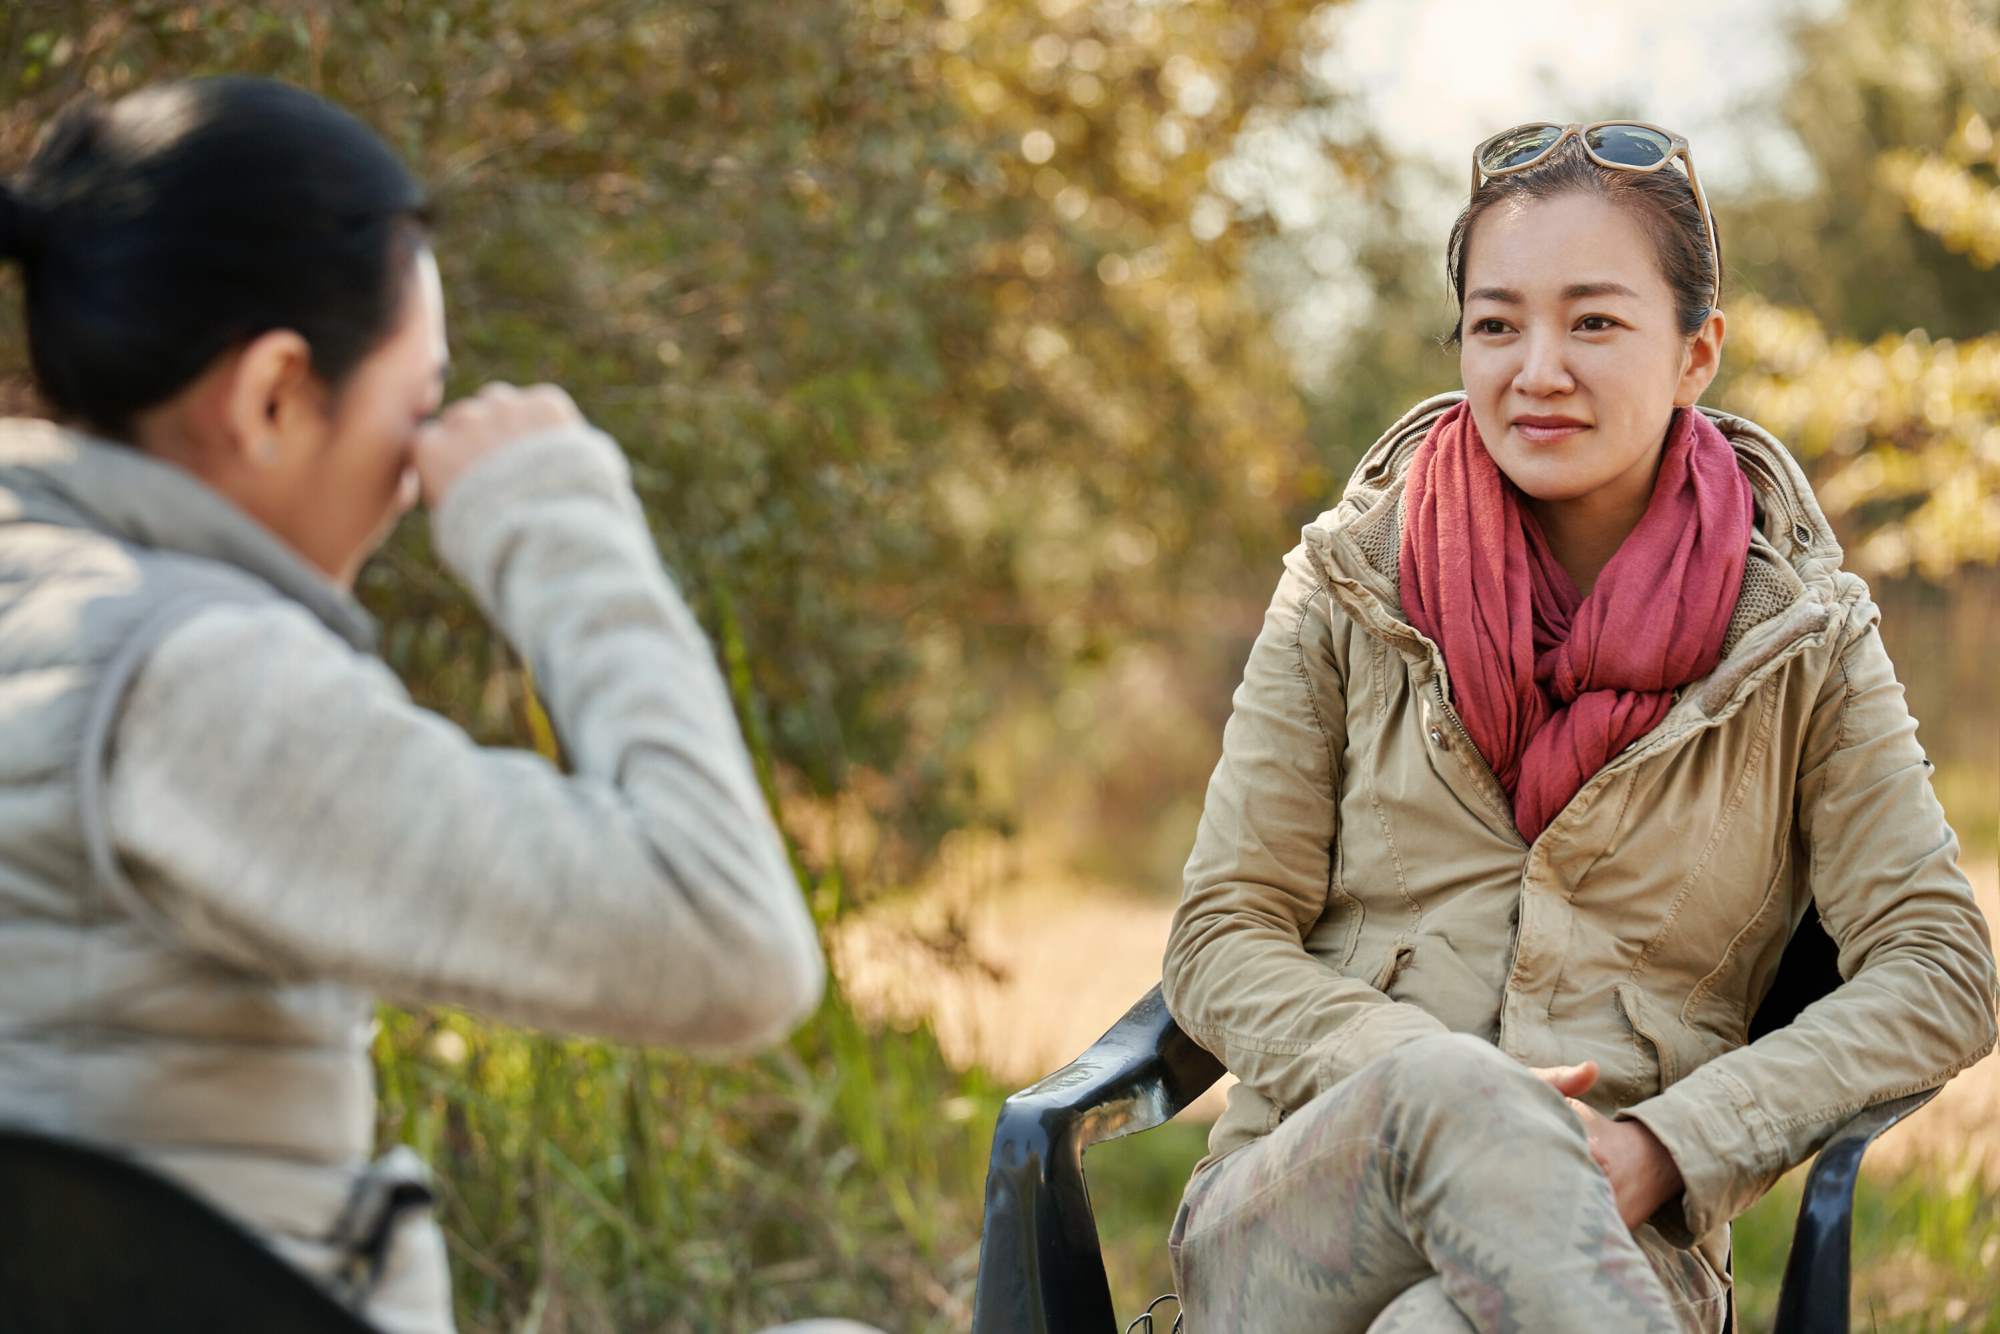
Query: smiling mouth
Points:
[1543, 432]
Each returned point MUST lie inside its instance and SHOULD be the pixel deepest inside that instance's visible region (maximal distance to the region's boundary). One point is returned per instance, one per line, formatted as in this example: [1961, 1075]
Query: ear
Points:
[274, 407]
[1701, 360]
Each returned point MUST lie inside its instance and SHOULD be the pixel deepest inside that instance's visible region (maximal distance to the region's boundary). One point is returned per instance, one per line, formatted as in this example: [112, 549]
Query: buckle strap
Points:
[396, 1184]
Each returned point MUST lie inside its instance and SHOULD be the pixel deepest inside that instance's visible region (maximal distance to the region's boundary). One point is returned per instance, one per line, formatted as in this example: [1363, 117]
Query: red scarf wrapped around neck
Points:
[1552, 684]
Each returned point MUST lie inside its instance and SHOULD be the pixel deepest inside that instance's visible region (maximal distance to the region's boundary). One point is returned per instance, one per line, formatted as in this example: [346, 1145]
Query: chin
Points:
[1541, 481]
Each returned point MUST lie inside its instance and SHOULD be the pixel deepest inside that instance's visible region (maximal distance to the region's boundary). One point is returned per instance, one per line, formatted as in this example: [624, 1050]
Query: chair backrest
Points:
[93, 1243]
[1808, 971]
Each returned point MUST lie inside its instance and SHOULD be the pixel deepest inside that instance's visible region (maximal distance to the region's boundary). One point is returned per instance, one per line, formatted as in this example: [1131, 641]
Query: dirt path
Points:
[1070, 956]
[1069, 959]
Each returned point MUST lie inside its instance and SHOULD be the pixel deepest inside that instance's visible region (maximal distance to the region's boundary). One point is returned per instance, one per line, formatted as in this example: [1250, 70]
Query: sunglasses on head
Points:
[1620, 145]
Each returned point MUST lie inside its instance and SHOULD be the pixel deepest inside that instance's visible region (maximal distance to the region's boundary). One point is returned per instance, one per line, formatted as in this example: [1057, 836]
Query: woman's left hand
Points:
[1643, 1175]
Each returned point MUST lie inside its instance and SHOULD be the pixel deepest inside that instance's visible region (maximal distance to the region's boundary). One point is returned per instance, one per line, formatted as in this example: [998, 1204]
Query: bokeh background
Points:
[978, 360]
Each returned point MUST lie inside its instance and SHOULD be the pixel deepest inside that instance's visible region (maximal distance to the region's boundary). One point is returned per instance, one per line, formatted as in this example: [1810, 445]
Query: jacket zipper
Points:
[1477, 760]
[1780, 492]
[1458, 724]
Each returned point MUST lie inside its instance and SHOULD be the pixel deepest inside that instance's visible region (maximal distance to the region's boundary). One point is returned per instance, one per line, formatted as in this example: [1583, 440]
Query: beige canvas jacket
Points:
[1357, 880]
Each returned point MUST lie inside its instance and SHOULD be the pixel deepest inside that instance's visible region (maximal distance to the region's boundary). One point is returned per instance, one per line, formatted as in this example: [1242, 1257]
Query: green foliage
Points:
[1874, 77]
[1924, 1247]
[590, 1188]
[936, 411]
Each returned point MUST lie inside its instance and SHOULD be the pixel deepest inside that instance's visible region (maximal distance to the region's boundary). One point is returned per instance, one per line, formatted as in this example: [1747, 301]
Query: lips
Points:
[1544, 429]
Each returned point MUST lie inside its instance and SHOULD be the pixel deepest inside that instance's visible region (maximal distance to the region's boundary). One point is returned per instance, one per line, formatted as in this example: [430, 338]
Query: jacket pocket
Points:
[1655, 1030]
[1399, 954]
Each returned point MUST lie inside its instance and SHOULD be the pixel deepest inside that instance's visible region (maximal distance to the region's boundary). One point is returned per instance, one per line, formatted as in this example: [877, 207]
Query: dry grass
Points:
[1052, 964]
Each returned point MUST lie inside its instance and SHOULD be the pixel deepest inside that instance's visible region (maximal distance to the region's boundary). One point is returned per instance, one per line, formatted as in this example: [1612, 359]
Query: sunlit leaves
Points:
[1902, 434]
[1896, 102]
[1947, 200]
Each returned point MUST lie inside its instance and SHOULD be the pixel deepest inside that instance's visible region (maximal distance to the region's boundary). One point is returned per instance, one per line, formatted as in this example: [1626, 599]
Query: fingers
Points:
[1569, 1080]
[473, 427]
[1591, 1122]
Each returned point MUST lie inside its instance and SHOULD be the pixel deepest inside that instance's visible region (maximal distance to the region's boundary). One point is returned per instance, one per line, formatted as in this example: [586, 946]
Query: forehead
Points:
[420, 328]
[1548, 244]
[427, 291]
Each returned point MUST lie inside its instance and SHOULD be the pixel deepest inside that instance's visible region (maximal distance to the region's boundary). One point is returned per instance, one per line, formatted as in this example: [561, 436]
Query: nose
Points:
[1543, 373]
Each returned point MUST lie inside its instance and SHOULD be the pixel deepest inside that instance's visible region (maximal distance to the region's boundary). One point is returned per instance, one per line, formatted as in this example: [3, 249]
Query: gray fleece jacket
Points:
[225, 829]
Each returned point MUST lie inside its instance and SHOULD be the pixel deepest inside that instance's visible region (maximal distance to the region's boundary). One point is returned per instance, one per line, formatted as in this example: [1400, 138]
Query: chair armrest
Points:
[1815, 1296]
[1040, 1267]
[1140, 1074]
[96, 1242]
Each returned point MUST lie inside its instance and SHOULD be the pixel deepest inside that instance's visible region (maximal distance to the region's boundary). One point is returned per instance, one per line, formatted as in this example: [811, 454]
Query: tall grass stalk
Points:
[588, 1187]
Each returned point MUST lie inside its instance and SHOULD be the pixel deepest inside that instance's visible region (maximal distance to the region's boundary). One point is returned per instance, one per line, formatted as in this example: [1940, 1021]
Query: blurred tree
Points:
[1896, 104]
[926, 333]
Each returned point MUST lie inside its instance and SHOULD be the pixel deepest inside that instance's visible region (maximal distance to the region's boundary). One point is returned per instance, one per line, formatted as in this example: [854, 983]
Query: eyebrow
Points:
[1574, 292]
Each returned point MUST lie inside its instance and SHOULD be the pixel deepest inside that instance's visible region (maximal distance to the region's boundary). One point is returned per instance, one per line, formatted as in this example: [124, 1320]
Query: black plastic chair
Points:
[1040, 1267]
[93, 1243]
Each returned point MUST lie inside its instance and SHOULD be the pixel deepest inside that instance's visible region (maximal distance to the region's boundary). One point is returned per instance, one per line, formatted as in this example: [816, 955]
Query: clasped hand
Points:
[1643, 1175]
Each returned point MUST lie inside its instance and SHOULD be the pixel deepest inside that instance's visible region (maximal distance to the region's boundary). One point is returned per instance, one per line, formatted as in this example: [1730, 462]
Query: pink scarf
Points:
[1551, 684]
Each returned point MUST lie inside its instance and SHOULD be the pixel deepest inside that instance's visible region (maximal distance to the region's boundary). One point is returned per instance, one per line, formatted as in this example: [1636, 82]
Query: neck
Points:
[1585, 532]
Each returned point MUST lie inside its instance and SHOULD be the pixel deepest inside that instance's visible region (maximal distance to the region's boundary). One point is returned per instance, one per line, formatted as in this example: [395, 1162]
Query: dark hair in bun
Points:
[158, 231]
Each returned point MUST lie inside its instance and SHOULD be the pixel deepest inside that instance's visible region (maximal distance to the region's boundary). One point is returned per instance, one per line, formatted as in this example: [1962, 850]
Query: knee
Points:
[1444, 1061]
[1455, 1072]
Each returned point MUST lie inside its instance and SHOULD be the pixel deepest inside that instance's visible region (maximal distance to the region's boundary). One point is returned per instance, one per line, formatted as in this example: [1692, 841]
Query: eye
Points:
[1601, 323]
[1489, 325]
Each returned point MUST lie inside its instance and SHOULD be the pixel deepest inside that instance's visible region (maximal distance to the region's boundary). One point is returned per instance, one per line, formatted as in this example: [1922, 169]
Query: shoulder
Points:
[228, 703]
[1384, 462]
[87, 599]
[227, 650]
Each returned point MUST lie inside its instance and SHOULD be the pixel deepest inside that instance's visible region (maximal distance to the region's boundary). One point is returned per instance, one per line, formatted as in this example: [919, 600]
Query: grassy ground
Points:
[589, 1189]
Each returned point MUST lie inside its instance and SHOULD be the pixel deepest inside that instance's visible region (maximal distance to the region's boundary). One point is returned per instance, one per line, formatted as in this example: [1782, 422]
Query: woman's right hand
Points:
[470, 429]
[1572, 1081]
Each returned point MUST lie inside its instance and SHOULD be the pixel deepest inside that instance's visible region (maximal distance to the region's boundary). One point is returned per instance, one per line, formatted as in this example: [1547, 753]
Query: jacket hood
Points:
[54, 476]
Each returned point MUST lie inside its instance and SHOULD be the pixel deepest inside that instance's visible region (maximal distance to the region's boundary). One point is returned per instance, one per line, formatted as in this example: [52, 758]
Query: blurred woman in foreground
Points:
[225, 831]
[1559, 722]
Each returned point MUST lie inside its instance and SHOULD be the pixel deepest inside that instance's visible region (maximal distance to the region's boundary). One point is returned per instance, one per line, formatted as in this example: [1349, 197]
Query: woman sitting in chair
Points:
[1558, 723]
[224, 827]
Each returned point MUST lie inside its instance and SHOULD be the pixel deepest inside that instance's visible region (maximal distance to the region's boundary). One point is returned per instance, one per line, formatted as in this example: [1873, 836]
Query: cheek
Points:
[1481, 372]
[363, 467]
[1485, 376]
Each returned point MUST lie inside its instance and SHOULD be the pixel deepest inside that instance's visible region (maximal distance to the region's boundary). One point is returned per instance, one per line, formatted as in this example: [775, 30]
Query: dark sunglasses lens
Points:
[1629, 145]
[1519, 146]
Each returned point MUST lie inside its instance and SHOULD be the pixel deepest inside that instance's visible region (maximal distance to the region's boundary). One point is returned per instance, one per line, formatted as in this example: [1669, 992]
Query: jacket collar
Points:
[52, 475]
[1787, 582]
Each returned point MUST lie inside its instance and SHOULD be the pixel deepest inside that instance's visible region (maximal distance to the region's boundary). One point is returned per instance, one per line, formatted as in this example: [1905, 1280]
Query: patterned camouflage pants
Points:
[1441, 1187]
